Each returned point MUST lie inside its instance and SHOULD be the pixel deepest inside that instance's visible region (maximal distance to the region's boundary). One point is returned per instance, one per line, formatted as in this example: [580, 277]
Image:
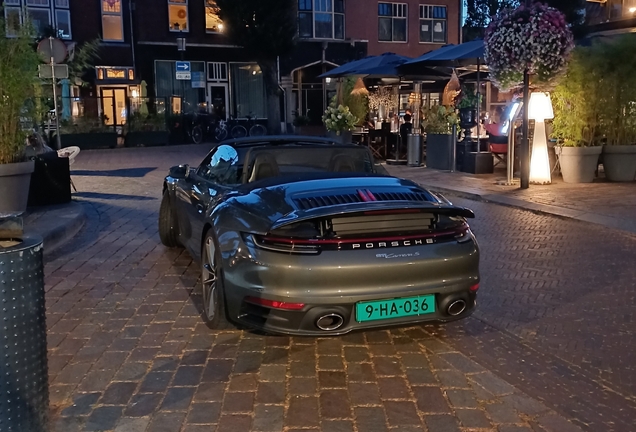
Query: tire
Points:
[168, 225]
[258, 130]
[239, 131]
[212, 287]
[197, 134]
[220, 134]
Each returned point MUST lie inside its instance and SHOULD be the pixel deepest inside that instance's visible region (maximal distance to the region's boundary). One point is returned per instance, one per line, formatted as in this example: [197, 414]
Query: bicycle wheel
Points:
[197, 134]
[239, 131]
[220, 133]
[258, 130]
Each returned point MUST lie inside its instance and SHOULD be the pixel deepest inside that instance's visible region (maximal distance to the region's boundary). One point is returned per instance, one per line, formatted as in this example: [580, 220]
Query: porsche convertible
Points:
[301, 235]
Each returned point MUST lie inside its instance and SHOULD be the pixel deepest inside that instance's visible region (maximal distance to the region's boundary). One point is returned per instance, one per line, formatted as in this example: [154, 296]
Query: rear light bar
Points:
[275, 304]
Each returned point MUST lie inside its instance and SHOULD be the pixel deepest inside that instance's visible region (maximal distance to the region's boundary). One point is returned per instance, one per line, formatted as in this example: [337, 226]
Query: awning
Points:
[455, 56]
[384, 65]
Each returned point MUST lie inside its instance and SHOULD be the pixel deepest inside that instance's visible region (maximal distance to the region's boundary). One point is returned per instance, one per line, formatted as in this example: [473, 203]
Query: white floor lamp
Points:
[539, 110]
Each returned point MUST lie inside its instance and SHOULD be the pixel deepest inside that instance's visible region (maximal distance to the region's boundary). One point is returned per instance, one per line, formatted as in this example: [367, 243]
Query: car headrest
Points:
[265, 165]
[342, 163]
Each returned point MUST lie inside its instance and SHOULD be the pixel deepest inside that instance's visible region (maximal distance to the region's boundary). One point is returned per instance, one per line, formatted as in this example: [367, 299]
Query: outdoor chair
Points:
[497, 143]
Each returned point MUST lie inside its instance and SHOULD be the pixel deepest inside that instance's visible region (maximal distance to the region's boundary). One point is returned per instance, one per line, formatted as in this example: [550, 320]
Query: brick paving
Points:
[546, 351]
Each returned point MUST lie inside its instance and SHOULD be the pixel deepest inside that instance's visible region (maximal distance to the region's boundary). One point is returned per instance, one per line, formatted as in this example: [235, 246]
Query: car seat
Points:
[342, 163]
[265, 166]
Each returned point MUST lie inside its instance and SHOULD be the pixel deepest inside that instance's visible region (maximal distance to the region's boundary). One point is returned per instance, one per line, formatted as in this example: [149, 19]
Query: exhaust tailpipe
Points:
[330, 322]
[456, 307]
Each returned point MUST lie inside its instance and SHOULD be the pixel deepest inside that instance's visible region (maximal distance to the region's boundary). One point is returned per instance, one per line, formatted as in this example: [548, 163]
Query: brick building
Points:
[141, 40]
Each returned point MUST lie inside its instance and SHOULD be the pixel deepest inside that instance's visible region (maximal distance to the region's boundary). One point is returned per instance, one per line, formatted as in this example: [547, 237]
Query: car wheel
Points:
[212, 288]
[168, 222]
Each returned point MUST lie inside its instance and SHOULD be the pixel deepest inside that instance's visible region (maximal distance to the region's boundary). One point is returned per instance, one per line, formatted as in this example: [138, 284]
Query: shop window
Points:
[392, 22]
[61, 3]
[217, 71]
[433, 24]
[178, 15]
[44, 3]
[213, 23]
[248, 90]
[321, 19]
[112, 22]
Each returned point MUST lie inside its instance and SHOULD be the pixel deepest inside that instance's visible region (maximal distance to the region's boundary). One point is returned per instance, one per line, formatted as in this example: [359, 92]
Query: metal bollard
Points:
[24, 403]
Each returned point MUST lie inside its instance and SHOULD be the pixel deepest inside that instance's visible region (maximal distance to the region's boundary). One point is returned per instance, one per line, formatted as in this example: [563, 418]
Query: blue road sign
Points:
[183, 66]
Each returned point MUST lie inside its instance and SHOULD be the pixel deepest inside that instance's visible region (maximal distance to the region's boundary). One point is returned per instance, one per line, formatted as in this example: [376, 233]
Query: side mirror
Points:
[180, 172]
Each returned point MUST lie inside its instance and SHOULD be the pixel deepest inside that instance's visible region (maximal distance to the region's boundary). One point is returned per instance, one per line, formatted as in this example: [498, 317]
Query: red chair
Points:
[497, 142]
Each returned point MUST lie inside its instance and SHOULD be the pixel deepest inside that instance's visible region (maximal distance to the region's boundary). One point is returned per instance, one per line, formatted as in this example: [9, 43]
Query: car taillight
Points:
[464, 236]
[282, 244]
[275, 304]
[474, 288]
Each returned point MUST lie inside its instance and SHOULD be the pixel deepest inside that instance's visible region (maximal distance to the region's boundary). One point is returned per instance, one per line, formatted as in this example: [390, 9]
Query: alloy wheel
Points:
[209, 280]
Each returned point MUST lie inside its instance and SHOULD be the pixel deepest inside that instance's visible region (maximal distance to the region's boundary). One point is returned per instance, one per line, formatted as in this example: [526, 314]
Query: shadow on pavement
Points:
[110, 196]
[123, 172]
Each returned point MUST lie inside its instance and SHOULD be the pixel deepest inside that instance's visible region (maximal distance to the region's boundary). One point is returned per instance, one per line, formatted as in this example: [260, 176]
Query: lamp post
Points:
[525, 144]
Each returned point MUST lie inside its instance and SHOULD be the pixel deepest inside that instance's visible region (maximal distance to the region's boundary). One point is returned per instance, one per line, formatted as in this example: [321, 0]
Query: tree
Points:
[266, 29]
[478, 14]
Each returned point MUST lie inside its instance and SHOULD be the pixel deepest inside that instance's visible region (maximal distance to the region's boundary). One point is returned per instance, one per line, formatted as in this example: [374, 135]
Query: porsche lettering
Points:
[391, 244]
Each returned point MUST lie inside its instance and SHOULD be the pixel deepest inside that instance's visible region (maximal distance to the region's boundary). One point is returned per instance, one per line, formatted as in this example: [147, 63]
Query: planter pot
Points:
[15, 180]
[345, 137]
[438, 151]
[90, 141]
[578, 164]
[620, 162]
[146, 139]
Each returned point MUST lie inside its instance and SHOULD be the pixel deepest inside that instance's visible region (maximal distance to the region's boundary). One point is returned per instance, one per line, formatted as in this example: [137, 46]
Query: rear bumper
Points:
[305, 322]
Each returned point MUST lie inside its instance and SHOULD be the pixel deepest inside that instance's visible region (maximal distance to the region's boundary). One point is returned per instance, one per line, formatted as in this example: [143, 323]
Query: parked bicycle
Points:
[235, 129]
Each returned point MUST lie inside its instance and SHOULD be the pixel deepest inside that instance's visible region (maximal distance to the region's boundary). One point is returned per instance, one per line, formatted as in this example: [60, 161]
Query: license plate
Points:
[395, 308]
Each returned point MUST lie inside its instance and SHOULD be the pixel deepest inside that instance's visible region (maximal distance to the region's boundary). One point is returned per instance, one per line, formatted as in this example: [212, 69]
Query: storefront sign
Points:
[198, 80]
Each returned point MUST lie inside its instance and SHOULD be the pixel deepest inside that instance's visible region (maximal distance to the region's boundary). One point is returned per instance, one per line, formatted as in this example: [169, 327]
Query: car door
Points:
[205, 188]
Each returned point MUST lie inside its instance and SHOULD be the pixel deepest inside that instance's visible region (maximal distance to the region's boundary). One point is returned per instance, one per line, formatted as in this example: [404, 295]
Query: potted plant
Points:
[300, 123]
[339, 122]
[466, 103]
[438, 124]
[577, 112]
[146, 130]
[618, 117]
[18, 83]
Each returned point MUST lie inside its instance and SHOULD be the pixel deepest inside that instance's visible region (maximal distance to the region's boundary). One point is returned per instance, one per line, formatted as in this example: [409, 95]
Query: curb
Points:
[55, 224]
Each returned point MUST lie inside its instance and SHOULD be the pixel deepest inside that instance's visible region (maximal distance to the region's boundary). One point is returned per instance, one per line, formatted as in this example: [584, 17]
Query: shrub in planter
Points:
[18, 83]
[339, 122]
[438, 124]
[146, 130]
[88, 134]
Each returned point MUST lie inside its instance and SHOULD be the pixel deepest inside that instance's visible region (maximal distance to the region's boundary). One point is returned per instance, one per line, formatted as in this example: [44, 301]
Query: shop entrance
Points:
[114, 106]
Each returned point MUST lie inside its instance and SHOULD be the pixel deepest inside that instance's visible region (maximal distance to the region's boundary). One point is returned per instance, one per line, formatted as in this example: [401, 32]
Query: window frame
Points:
[393, 17]
[6, 12]
[183, 3]
[205, 7]
[332, 12]
[37, 5]
[432, 21]
[70, 27]
[59, 5]
[46, 9]
[119, 14]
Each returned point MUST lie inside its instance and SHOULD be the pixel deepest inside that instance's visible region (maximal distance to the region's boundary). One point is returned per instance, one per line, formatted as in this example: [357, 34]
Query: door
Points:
[114, 105]
[217, 100]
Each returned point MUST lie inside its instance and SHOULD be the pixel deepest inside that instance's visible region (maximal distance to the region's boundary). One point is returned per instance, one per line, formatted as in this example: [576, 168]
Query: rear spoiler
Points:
[353, 208]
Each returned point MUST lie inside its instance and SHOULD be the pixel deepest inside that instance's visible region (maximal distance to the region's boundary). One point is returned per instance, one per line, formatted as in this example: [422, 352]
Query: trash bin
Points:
[23, 367]
[414, 150]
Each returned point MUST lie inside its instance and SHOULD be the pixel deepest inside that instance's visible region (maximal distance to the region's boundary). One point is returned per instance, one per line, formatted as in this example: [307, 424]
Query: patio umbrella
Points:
[454, 56]
[66, 99]
[382, 65]
[143, 108]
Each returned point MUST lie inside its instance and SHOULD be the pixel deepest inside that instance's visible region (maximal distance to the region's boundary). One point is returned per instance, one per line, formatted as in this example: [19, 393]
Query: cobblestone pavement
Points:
[547, 350]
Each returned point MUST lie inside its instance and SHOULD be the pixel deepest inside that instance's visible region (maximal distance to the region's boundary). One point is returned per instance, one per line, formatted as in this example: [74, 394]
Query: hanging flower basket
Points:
[536, 37]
